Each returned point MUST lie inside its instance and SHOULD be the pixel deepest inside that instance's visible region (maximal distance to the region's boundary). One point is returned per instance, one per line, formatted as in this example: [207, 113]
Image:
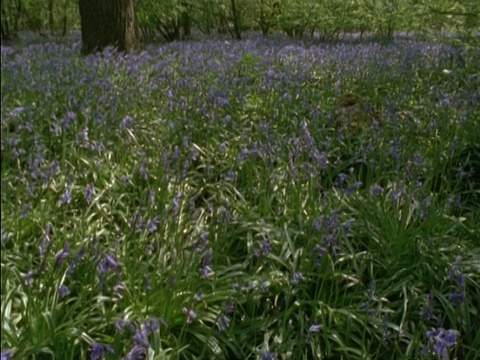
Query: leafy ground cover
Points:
[259, 199]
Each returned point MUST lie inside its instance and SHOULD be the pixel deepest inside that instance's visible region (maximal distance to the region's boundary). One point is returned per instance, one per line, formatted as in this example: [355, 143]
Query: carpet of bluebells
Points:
[198, 200]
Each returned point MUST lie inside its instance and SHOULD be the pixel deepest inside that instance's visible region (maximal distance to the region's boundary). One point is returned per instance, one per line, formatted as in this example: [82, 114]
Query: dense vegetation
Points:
[179, 19]
[267, 198]
[308, 194]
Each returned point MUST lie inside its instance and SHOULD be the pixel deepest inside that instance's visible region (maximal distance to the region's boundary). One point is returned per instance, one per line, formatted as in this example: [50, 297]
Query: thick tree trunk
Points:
[108, 23]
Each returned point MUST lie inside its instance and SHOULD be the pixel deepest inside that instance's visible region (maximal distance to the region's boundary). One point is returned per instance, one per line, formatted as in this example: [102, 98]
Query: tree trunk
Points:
[65, 18]
[236, 25]
[51, 17]
[108, 23]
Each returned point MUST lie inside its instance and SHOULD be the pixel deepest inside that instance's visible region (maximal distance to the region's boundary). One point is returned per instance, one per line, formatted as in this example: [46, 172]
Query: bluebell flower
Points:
[67, 196]
[458, 296]
[426, 312]
[207, 271]
[229, 308]
[96, 352]
[176, 203]
[152, 225]
[151, 197]
[354, 187]
[266, 355]
[89, 193]
[298, 277]
[121, 324]
[63, 291]
[25, 210]
[127, 122]
[151, 325]
[223, 322]
[7, 354]
[61, 255]
[109, 264]
[440, 341]
[265, 247]
[191, 315]
[140, 339]
[315, 328]
[136, 353]
[377, 190]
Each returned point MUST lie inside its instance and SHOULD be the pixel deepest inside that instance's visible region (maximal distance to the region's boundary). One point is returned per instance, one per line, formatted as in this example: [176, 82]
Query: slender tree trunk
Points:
[51, 18]
[236, 25]
[65, 18]
[108, 23]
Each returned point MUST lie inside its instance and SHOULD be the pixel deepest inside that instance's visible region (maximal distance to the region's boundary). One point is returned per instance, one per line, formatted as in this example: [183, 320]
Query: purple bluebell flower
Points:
[63, 291]
[121, 324]
[150, 325]
[229, 308]
[89, 192]
[222, 101]
[63, 254]
[67, 196]
[426, 312]
[82, 137]
[136, 222]
[7, 354]
[176, 203]
[376, 191]
[144, 170]
[267, 355]
[458, 296]
[109, 264]
[68, 119]
[315, 328]
[127, 122]
[342, 178]
[152, 225]
[80, 255]
[191, 315]
[25, 210]
[353, 187]
[298, 278]
[265, 247]
[440, 341]
[207, 271]
[97, 351]
[136, 353]
[223, 322]
[140, 339]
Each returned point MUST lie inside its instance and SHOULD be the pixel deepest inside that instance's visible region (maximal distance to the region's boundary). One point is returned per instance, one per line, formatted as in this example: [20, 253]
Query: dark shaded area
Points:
[108, 23]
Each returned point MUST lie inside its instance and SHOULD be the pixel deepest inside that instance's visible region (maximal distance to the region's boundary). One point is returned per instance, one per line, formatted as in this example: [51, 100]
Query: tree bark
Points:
[51, 17]
[108, 23]
[236, 25]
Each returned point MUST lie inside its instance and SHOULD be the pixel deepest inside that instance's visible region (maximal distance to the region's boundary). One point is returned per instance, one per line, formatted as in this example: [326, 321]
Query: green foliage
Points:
[197, 200]
[54, 16]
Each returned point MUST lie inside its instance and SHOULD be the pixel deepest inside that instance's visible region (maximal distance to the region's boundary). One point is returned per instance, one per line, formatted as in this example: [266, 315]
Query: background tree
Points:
[108, 23]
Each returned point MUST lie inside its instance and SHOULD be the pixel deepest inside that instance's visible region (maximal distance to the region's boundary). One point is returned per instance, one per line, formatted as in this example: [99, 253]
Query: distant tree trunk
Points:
[10, 15]
[65, 18]
[236, 25]
[186, 22]
[51, 18]
[108, 23]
